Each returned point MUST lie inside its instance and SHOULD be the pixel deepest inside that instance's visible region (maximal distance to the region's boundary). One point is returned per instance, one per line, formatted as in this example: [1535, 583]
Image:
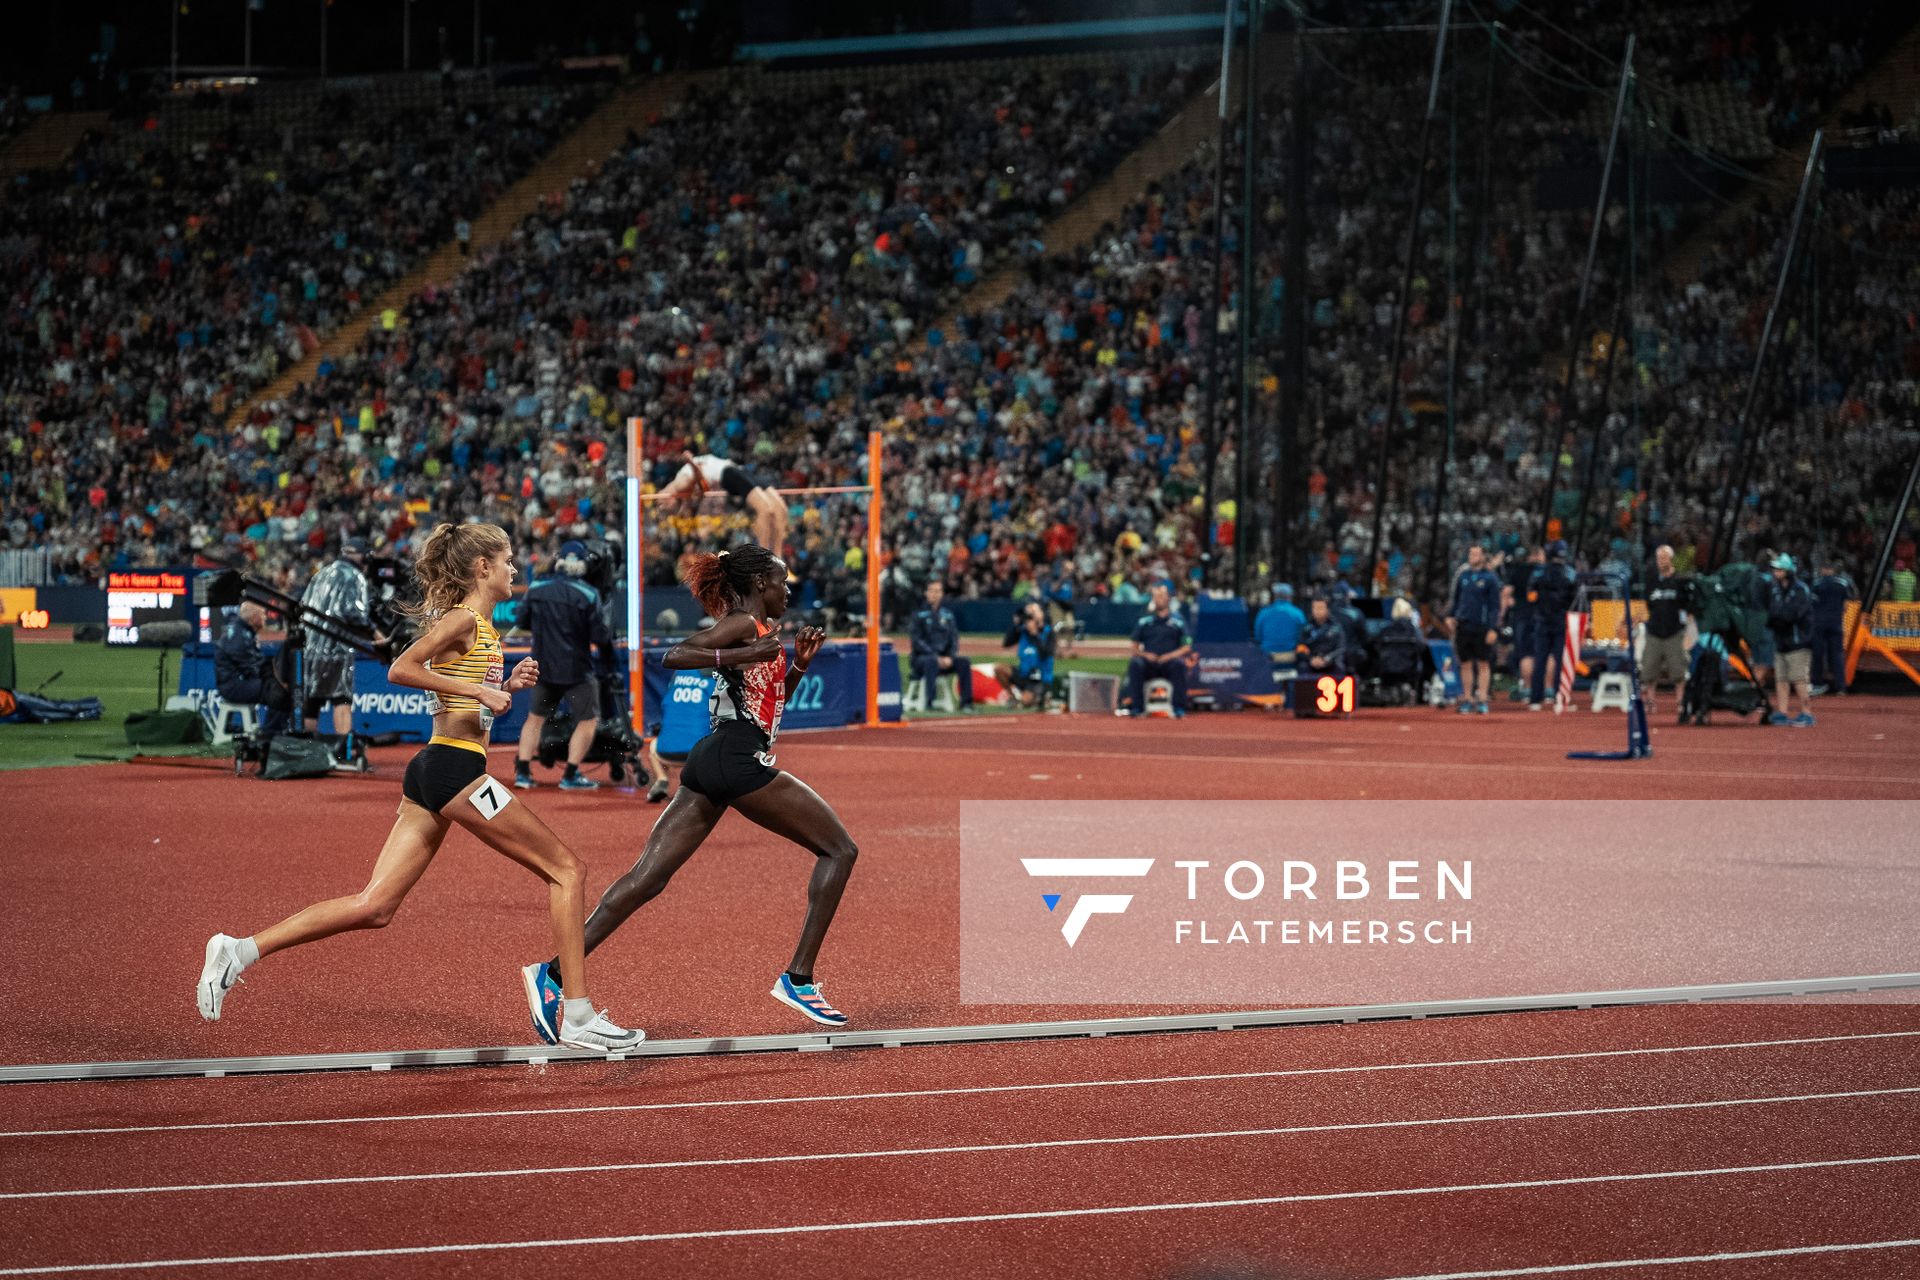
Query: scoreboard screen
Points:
[135, 600]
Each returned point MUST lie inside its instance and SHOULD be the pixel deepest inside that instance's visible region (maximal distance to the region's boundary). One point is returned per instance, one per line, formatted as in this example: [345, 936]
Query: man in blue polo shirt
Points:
[936, 646]
[569, 622]
[1277, 631]
[1522, 616]
[1552, 590]
[1160, 648]
[1474, 622]
[1831, 591]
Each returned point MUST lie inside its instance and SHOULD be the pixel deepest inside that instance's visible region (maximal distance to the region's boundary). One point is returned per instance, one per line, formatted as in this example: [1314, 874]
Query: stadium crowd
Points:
[150, 289]
[730, 276]
[760, 277]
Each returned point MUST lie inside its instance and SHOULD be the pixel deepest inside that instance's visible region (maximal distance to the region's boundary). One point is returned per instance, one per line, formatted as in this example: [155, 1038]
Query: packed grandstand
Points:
[769, 264]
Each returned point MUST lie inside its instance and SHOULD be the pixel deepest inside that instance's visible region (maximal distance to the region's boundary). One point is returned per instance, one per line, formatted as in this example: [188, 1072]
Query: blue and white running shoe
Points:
[808, 1000]
[543, 1000]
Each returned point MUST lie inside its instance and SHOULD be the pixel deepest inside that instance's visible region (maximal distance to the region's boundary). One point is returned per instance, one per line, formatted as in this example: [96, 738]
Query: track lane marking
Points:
[968, 1090]
[1026, 730]
[1031, 1215]
[1294, 762]
[971, 1149]
[1616, 1264]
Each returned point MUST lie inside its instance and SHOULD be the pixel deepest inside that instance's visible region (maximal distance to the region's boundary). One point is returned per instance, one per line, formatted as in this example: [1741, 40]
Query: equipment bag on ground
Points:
[165, 728]
[31, 708]
[289, 756]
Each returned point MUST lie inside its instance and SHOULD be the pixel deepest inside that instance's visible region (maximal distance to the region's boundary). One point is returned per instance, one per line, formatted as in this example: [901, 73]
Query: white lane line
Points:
[1032, 1215]
[1294, 762]
[970, 1090]
[974, 1149]
[1619, 1264]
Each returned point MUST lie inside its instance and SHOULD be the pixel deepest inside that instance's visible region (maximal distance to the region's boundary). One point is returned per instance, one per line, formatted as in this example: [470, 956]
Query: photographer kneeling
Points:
[243, 675]
[566, 620]
[1032, 640]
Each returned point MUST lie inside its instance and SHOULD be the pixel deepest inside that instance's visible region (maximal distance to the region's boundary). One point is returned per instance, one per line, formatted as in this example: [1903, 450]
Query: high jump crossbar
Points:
[636, 560]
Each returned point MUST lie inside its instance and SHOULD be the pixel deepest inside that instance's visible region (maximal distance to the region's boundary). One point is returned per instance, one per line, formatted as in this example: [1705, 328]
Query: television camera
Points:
[389, 586]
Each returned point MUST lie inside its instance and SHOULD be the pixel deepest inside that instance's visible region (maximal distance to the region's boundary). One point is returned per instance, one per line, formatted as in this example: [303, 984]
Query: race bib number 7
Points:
[490, 798]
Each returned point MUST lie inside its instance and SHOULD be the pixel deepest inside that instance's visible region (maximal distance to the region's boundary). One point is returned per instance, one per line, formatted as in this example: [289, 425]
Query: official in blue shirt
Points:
[568, 622]
[1831, 591]
[1552, 591]
[245, 676]
[1790, 619]
[936, 645]
[1324, 643]
[1277, 631]
[1475, 619]
[1160, 648]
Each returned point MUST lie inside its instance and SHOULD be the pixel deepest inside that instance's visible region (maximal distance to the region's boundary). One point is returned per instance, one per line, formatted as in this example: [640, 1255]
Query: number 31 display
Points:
[1324, 696]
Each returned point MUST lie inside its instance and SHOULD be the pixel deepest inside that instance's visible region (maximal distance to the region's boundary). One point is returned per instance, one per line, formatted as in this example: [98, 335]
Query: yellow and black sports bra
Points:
[481, 665]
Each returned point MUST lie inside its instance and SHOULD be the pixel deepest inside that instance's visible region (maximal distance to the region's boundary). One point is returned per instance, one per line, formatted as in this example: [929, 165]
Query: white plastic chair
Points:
[1613, 692]
[226, 713]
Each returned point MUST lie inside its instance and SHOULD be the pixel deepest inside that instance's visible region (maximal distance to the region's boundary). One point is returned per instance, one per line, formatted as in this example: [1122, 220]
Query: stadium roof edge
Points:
[1026, 39]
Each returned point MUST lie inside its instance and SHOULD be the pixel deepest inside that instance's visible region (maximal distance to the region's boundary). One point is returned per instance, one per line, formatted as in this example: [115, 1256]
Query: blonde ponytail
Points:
[445, 565]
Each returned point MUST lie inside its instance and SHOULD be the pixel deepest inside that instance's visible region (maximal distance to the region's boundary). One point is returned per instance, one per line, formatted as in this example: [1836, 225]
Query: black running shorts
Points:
[583, 699]
[1470, 642]
[732, 761]
[439, 773]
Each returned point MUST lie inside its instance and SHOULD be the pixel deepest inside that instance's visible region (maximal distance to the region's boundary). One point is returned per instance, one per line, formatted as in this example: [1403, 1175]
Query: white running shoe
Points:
[218, 975]
[600, 1034]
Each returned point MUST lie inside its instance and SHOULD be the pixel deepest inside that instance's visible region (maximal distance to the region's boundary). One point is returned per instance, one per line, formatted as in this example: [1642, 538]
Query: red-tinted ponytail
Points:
[720, 582]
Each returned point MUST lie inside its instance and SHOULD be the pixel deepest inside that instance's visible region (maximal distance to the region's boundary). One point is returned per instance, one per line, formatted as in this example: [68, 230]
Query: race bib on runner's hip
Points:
[490, 798]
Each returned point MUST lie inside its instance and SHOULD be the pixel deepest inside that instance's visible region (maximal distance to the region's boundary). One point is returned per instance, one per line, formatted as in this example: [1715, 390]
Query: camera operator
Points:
[337, 592]
[564, 614]
[1032, 641]
[245, 676]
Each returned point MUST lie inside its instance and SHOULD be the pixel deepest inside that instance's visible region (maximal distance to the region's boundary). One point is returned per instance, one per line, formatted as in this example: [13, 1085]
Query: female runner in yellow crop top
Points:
[464, 571]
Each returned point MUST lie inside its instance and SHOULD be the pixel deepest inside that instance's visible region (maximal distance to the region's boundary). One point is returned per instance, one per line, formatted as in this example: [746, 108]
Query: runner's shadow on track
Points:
[897, 1017]
[1241, 1270]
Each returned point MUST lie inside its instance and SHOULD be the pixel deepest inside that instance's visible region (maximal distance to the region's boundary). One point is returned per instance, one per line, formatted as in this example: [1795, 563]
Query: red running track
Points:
[1499, 1145]
[1458, 1169]
[134, 866]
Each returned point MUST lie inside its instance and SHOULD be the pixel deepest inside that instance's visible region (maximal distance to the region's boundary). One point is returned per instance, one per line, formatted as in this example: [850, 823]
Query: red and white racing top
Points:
[756, 694]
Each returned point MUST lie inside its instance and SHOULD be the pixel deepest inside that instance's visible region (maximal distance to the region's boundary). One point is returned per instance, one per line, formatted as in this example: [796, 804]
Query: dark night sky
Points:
[49, 41]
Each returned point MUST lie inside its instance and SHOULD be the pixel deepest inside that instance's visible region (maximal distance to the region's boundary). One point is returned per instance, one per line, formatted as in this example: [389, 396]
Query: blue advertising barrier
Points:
[831, 695]
[1230, 671]
[1218, 621]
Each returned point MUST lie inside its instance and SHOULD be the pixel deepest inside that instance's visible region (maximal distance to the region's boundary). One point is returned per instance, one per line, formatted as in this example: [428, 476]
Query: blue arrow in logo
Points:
[1051, 899]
